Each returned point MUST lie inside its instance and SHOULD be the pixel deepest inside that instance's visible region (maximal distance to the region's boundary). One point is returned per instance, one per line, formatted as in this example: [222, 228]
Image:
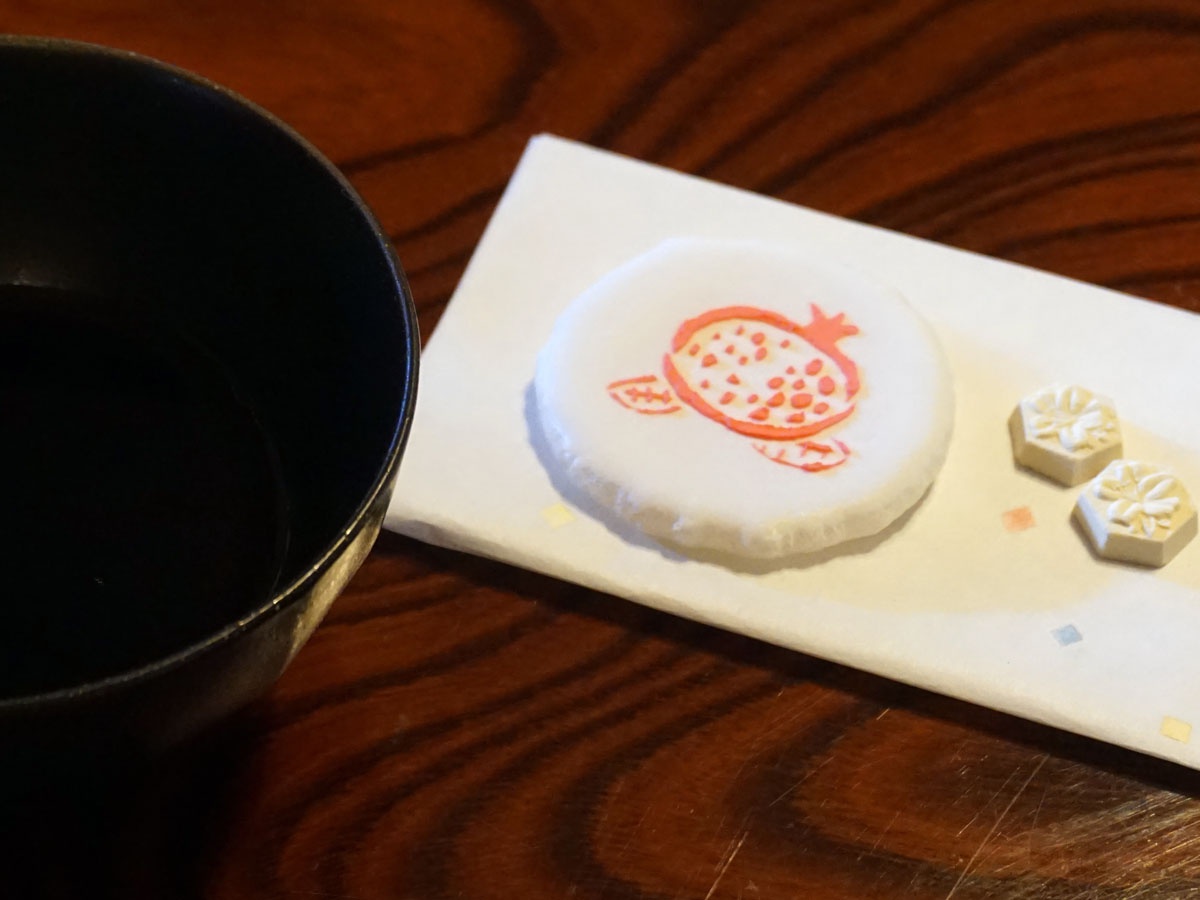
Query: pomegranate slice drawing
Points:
[760, 375]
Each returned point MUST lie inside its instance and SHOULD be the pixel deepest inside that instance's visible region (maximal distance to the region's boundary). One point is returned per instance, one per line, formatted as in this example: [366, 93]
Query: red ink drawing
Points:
[770, 350]
[644, 394]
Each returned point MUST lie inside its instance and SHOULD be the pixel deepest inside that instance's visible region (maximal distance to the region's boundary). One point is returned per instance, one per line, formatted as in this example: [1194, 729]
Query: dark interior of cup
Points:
[207, 360]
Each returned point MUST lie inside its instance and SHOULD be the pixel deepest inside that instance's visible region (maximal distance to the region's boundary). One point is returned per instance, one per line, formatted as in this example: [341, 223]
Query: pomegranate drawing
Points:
[760, 375]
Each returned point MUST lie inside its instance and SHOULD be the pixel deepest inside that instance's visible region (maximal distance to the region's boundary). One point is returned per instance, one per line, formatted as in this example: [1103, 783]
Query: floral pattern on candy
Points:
[1142, 499]
[760, 375]
[1073, 414]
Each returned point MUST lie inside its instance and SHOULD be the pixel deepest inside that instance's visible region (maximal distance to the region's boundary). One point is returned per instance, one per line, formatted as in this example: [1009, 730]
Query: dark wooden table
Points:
[458, 728]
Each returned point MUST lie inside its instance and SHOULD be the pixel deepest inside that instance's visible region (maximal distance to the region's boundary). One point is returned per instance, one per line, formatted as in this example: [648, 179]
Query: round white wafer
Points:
[745, 398]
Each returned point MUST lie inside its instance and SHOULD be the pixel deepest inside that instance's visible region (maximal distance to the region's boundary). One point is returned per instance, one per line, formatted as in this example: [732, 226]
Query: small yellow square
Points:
[558, 515]
[1176, 729]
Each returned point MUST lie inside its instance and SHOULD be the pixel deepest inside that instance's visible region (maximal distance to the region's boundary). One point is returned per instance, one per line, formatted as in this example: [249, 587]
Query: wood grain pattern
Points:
[458, 728]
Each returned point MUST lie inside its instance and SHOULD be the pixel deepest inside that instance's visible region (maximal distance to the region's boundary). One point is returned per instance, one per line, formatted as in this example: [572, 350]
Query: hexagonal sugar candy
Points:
[1136, 512]
[1065, 432]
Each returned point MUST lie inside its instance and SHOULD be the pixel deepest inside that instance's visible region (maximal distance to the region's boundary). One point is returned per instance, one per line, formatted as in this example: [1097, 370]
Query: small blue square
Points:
[1066, 635]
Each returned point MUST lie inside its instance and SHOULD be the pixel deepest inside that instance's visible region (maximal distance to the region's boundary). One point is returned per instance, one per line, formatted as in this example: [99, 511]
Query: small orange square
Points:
[1018, 519]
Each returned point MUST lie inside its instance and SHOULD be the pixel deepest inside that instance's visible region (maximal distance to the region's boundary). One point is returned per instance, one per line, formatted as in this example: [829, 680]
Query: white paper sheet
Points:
[950, 599]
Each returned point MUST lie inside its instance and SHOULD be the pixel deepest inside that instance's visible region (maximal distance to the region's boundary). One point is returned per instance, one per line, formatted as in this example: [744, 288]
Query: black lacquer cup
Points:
[208, 365]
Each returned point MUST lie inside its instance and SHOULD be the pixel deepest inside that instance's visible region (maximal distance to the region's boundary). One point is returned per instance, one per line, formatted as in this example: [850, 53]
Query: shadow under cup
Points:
[207, 369]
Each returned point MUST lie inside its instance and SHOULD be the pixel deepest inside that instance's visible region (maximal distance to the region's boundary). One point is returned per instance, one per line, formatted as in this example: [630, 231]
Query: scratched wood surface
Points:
[461, 729]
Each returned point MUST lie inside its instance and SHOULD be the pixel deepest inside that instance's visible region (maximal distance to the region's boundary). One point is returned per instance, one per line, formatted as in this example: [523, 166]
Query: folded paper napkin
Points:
[985, 591]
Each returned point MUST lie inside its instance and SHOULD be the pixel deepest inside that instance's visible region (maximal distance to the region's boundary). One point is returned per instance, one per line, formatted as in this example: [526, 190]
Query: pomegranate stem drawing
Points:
[760, 375]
